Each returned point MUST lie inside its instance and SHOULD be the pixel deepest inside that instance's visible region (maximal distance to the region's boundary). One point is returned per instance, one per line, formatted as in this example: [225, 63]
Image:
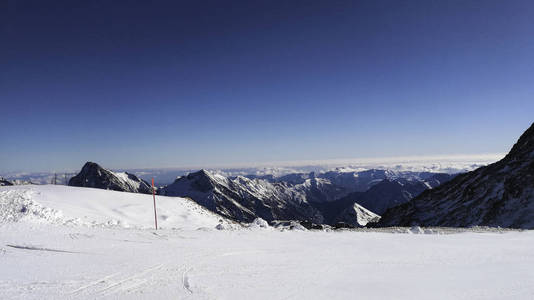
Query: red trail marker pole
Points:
[154, 196]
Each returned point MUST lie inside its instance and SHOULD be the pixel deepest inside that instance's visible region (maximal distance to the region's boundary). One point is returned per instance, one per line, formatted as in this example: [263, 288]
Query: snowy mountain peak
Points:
[204, 181]
[93, 175]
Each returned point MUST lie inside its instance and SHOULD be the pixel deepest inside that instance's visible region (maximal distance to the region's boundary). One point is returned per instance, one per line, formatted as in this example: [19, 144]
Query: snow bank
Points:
[258, 223]
[18, 205]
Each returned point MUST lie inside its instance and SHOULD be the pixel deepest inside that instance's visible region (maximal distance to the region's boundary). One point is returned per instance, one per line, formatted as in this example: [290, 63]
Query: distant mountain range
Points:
[322, 198]
[376, 191]
[164, 176]
[500, 194]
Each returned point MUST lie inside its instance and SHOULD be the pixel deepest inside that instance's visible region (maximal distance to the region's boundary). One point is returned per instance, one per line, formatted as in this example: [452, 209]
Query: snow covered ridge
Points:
[324, 198]
[63, 205]
[320, 198]
[500, 194]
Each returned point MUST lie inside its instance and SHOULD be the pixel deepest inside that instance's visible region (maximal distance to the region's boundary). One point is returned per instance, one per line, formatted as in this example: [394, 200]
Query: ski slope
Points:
[76, 243]
[100, 208]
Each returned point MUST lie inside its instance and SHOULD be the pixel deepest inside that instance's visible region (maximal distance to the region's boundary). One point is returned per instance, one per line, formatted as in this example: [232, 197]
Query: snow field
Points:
[101, 208]
[44, 256]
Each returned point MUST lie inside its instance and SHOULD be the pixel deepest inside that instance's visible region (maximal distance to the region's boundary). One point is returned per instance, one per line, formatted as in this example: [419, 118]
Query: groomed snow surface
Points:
[60, 242]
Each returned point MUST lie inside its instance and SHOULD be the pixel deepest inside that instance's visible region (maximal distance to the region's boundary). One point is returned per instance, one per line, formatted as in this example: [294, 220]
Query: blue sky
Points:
[170, 83]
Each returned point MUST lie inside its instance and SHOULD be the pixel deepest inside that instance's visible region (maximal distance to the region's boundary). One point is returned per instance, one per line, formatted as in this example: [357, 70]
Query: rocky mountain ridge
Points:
[500, 194]
[94, 176]
[316, 198]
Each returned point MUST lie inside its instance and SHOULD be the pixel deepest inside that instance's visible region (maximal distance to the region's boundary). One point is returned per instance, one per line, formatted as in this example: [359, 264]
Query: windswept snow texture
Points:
[43, 255]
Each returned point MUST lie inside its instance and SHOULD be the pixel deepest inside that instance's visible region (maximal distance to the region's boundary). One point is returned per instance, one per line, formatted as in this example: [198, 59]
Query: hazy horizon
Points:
[438, 163]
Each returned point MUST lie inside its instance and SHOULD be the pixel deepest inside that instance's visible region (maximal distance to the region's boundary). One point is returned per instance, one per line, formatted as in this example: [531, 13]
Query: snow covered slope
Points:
[357, 216]
[93, 175]
[60, 242]
[66, 205]
[72, 262]
[500, 194]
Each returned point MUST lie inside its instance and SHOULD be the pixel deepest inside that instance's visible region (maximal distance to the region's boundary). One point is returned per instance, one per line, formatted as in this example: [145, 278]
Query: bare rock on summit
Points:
[94, 176]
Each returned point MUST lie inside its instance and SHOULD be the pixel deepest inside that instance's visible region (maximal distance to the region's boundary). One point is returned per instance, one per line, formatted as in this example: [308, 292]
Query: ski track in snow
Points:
[198, 262]
[185, 280]
[260, 264]
[34, 248]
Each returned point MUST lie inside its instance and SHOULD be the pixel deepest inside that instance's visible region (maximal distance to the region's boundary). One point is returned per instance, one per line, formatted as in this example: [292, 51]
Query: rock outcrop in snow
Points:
[94, 176]
[500, 194]
[5, 182]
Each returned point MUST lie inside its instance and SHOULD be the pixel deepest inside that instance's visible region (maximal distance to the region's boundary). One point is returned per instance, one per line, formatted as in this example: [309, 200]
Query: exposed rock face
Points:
[305, 197]
[325, 198]
[243, 199]
[380, 196]
[5, 182]
[94, 176]
[389, 193]
[500, 194]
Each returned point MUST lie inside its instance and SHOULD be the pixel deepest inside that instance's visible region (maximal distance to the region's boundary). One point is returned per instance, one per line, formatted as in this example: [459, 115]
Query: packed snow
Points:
[66, 205]
[60, 242]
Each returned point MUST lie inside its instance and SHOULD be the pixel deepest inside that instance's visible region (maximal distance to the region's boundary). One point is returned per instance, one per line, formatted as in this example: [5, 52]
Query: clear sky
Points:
[176, 83]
